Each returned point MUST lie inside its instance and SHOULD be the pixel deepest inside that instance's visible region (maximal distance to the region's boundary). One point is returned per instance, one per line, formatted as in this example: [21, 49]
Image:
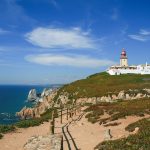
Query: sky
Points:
[60, 41]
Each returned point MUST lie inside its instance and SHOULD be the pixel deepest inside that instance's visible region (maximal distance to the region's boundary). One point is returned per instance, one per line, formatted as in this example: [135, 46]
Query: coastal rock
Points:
[40, 108]
[25, 113]
[32, 95]
[46, 92]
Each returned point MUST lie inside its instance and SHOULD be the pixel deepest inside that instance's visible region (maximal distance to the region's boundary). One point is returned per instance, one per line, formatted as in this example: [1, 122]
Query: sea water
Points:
[14, 97]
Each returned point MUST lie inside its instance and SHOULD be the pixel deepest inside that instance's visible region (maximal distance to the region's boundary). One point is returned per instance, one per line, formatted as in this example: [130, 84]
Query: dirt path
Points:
[86, 135]
[78, 131]
[16, 140]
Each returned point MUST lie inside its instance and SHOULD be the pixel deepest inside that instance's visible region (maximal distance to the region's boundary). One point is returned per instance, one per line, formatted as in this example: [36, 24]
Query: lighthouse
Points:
[123, 59]
[124, 68]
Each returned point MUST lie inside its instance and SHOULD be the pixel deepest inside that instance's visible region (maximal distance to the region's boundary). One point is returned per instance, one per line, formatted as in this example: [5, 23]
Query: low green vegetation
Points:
[139, 141]
[29, 122]
[122, 109]
[102, 84]
[5, 129]
[117, 110]
[1, 136]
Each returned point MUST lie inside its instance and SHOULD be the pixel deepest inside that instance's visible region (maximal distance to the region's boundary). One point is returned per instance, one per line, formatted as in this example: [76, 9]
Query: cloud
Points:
[66, 60]
[73, 38]
[2, 31]
[142, 36]
[138, 37]
[144, 32]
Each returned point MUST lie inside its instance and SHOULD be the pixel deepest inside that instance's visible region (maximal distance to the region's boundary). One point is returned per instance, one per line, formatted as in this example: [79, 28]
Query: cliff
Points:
[94, 89]
[44, 104]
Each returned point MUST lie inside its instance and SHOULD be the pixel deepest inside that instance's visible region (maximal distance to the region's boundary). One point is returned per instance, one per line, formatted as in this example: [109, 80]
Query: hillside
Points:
[101, 84]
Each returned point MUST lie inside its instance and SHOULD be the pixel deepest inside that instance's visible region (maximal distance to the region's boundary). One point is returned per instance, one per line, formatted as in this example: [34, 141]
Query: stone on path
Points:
[107, 135]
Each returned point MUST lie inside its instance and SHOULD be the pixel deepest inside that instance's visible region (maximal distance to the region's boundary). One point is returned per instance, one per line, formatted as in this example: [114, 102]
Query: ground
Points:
[85, 134]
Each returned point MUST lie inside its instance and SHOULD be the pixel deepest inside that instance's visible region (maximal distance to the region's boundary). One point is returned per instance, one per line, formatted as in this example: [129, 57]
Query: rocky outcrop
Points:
[46, 92]
[26, 113]
[32, 95]
[40, 108]
[122, 95]
[49, 142]
[48, 100]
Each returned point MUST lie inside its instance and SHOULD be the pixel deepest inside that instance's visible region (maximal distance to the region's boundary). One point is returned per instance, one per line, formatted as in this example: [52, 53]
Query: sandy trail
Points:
[16, 140]
[85, 134]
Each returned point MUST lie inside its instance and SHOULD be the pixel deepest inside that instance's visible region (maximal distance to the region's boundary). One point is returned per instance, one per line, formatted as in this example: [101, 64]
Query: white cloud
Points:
[138, 37]
[61, 38]
[66, 60]
[144, 32]
[142, 36]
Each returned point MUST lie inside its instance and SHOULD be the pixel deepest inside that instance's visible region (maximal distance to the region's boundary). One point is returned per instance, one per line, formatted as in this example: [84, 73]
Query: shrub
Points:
[119, 110]
[6, 128]
[29, 123]
[1, 136]
[92, 120]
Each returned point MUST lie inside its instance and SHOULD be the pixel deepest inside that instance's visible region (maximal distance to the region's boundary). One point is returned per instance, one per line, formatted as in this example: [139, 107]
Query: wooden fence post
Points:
[67, 113]
[61, 116]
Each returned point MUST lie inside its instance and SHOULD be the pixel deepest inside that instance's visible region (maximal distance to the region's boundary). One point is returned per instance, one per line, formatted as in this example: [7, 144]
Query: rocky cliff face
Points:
[111, 97]
[32, 95]
[48, 100]
[40, 108]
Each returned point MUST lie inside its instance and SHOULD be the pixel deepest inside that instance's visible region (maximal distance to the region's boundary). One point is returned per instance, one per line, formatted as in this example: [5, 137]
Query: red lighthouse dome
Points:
[123, 53]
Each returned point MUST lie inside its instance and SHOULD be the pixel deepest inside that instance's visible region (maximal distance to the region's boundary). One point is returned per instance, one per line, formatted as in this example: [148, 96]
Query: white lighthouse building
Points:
[124, 68]
[124, 59]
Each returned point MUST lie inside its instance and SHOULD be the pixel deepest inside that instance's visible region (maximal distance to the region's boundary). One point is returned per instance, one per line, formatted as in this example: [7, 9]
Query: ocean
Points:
[14, 97]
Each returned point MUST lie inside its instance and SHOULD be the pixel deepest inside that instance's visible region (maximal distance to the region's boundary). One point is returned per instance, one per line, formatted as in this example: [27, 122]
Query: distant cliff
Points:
[45, 102]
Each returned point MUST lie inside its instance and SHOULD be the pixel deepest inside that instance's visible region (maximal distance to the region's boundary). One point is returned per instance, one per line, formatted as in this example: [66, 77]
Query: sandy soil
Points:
[85, 134]
[16, 140]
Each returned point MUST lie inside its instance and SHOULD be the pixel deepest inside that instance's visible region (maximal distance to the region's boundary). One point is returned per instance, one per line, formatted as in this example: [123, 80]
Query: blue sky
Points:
[59, 41]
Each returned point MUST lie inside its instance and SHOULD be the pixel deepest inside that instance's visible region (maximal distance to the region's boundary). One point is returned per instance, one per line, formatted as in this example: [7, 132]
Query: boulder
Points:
[139, 95]
[121, 95]
[136, 130]
[127, 97]
[114, 97]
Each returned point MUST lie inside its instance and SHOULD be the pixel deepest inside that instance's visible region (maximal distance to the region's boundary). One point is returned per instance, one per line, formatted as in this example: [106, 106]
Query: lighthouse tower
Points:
[123, 59]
